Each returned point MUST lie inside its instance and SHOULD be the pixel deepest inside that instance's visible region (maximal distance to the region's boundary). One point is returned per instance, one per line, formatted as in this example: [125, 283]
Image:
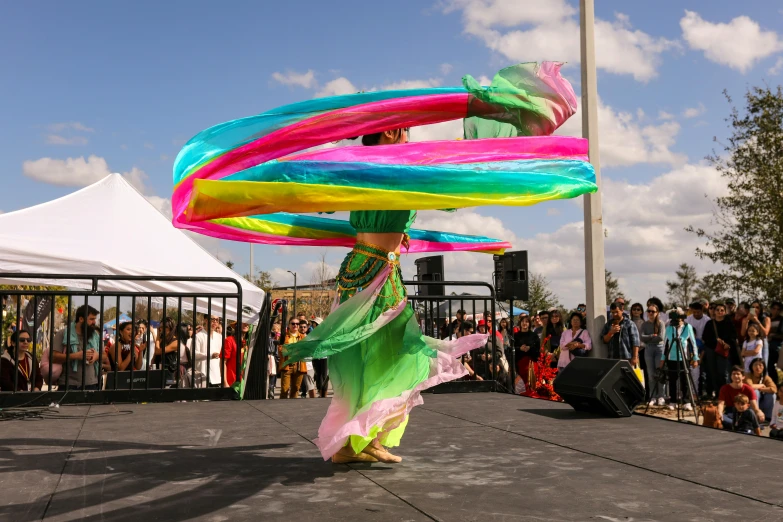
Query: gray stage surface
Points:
[466, 457]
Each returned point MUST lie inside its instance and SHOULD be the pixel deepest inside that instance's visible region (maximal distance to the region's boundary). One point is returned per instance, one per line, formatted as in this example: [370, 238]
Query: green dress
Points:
[379, 362]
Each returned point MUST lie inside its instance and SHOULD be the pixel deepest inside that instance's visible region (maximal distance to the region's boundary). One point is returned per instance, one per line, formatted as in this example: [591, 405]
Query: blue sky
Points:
[129, 82]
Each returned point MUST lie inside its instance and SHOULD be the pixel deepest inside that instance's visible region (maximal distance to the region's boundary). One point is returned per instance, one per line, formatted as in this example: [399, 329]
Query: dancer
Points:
[235, 181]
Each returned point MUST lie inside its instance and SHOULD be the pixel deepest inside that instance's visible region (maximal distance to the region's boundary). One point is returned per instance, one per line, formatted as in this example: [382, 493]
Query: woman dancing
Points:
[244, 179]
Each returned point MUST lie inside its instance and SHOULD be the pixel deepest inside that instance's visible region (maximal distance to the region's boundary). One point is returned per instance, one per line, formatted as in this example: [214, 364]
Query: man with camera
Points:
[680, 352]
[621, 335]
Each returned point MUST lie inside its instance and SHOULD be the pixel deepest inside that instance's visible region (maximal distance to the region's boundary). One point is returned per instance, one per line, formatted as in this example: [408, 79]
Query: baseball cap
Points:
[318, 320]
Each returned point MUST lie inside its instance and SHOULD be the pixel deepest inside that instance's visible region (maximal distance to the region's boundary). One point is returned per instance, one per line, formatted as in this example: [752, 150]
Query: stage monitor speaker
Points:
[511, 281]
[604, 386]
[430, 269]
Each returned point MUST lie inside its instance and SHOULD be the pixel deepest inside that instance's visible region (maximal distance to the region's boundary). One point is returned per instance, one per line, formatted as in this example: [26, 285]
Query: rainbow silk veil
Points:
[255, 179]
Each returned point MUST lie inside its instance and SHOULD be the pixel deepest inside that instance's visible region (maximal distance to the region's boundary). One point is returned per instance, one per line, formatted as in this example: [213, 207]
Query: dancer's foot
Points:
[377, 451]
[346, 455]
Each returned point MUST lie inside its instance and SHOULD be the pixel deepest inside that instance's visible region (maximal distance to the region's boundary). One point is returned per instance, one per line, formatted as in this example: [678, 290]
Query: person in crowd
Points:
[166, 346]
[753, 345]
[729, 391]
[508, 337]
[209, 345]
[185, 338]
[745, 420]
[527, 346]
[698, 320]
[231, 355]
[467, 328]
[705, 306]
[757, 316]
[487, 363]
[620, 300]
[321, 368]
[582, 309]
[302, 317]
[144, 341]
[537, 324]
[274, 358]
[652, 336]
[291, 375]
[574, 342]
[742, 312]
[720, 350]
[125, 351]
[775, 338]
[776, 421]
[731, 308]
[454, 328]
[637, 315]
[17, 359]
[556, 328]
[308, 382]
[81, 333]
[679, 353]
[765, 389]
[621, 336]
[544, 332]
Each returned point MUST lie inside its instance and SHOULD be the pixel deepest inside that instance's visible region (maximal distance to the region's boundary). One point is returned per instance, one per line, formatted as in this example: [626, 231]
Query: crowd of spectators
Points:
[725, 349]
[80, 358]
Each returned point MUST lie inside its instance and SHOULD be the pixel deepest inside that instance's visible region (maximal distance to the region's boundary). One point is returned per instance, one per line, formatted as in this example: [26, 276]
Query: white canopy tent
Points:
[109, 228]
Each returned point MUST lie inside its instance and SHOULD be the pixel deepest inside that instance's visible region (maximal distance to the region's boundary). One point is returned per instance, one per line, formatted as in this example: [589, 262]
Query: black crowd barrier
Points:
[494, 365]
[149, 376]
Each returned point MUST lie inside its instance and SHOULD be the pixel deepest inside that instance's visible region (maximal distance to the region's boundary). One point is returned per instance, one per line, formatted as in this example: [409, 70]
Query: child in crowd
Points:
[745, 420]
[752, 346]
[776, 423]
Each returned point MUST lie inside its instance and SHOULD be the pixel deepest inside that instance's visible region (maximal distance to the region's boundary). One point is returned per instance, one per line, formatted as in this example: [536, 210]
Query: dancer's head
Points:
[388, 137]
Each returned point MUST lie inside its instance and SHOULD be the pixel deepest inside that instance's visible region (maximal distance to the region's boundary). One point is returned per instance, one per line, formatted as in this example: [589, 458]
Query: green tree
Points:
[747, 226]
[540, 296]
[230, 264]
[710, 287]
[262, 280]
[612, 287]
[681, 290]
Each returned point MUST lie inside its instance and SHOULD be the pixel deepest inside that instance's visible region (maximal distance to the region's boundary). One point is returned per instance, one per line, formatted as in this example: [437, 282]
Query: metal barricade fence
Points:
[158, 378]
[435, 313]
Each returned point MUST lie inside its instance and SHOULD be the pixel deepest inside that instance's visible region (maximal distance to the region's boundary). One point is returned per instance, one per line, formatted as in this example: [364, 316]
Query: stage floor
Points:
[481, 456]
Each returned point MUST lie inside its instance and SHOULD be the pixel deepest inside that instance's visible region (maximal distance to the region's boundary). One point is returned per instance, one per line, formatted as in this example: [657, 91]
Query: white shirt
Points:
[748, 346]
[215, 347]
[698, 324]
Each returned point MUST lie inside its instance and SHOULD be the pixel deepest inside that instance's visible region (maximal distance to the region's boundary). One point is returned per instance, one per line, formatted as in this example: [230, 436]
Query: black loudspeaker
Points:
[604, 386]
[430, 269]
[511, 282]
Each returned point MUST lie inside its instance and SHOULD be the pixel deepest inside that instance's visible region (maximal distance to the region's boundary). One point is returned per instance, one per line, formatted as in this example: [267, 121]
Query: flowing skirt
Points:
[379, 361]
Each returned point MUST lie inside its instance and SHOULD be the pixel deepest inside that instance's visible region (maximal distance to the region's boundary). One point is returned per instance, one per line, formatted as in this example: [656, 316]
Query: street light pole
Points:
[593, 213]
[294, 274]
[251, 263]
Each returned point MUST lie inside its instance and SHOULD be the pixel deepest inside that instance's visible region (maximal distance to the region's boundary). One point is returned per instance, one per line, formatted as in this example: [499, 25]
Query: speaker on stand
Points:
[511, 281]
[430, 269]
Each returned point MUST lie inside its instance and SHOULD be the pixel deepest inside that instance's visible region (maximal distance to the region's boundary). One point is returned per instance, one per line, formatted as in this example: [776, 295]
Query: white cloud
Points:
[445, 68]
[306, 79]
[623, 140]
[56, 139]
[738, 44]
[693, 112]
[552, 32]
[412, 84]
[124, 147]
[645, 240]
[663, 115]
[777, 68]
[553, 211]
[149, 146]
[336, 87]
[71, 125]
[162, 205]
[78, 172]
